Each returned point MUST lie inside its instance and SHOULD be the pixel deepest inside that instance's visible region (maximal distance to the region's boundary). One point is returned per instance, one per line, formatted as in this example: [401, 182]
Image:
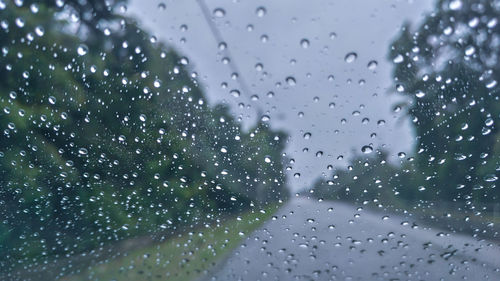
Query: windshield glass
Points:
[249, 140]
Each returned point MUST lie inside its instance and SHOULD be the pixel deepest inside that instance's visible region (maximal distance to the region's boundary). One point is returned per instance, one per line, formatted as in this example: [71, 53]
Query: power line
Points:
[218, 37]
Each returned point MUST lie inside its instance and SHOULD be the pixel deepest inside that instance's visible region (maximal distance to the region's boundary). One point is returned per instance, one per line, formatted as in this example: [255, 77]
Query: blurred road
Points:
[310, 240]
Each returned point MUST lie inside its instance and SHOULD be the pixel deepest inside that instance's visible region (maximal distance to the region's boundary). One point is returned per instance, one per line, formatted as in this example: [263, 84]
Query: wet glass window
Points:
[249, 140]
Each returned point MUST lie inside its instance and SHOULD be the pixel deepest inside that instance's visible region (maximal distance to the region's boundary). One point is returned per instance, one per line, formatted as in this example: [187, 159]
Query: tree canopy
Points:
[107, 135]
[448, 69]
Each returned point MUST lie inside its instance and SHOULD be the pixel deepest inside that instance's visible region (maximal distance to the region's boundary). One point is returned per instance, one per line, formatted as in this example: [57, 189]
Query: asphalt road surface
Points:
[310, 240]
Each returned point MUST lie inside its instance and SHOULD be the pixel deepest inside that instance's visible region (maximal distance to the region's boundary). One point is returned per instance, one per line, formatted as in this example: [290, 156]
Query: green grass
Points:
[183, 257]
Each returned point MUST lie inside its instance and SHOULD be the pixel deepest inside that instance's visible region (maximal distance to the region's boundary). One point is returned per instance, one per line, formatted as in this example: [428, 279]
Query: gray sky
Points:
[363, 27]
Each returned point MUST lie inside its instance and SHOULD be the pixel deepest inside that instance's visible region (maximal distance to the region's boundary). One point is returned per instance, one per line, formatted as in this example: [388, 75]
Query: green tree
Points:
[448, 68]
[372, 179]
[107, 135]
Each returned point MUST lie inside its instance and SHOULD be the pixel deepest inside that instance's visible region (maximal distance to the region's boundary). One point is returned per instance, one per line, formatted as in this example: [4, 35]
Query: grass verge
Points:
[183, 257]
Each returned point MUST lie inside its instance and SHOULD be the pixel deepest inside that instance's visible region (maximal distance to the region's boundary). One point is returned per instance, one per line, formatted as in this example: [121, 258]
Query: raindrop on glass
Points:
[367, 149]
[260, 12]
[304, 43]
[219, 13]
[350, 57]
[82, 50]
[52, 100]
[291, 81]
[372, 65]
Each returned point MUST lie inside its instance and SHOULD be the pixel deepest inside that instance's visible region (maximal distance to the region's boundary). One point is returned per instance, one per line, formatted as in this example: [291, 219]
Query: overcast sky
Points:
[306, 40]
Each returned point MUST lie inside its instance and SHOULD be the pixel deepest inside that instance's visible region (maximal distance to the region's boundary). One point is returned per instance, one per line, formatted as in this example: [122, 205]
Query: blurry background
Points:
[147, 140]
[269, 41]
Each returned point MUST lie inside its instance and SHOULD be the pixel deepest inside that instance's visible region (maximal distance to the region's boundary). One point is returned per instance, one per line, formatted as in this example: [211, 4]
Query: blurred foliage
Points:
[106, 135]
[448, 70]
[185, 257]
[371, 179]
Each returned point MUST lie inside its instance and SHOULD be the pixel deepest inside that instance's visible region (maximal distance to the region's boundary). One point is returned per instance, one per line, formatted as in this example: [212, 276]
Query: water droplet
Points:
[400, 88]
[307, 136]
[304, 43]
[490, 178]
[367, 149]
[82, 50]
[398, 59]
[52, 100]
[372, 65]
[265, 118]
[19, 22]
[485, 131]
[419, 94]
[219, 13]
[469, 51]
[222, 46]
[267, 159]
[260, 12]
[455, 5]
[491, 84]
[34, 8]
[83, 151]
[290, 81]
[350, 57]
[39, 31]
[235, 93]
